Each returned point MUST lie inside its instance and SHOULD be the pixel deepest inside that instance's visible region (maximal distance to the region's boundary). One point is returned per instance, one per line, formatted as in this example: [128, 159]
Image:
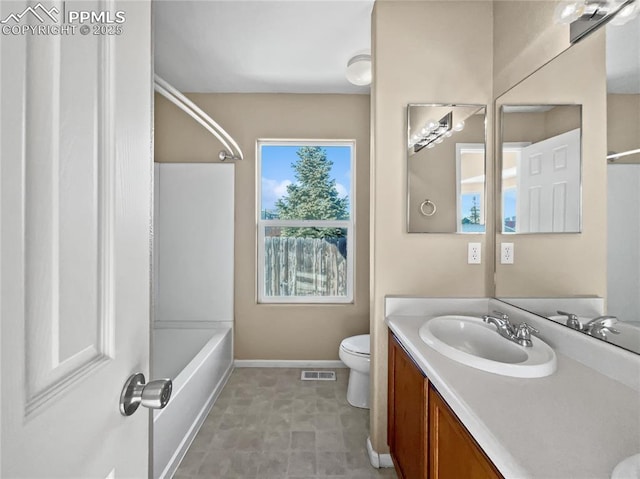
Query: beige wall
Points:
[623, 125]
[277, 331]
[406, 70]
[537, 126]
[566, 264]
[525, 37]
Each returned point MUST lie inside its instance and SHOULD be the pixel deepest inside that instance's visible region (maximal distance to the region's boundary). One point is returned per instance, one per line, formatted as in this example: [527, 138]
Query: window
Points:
[305, 221]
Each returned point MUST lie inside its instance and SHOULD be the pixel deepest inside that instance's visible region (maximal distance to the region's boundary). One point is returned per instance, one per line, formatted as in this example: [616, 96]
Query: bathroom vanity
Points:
[425, 437]
[449, 420]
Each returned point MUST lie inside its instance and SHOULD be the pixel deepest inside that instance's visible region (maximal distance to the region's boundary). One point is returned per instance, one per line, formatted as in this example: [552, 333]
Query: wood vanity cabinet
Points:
[407, 427]
[426, 439]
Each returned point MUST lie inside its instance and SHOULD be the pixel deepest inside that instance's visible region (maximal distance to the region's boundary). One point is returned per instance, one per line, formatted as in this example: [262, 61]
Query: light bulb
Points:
[626, 14]
[425, 131]
[432, 125]
[567, 12]
[449, 134]
[459, 126]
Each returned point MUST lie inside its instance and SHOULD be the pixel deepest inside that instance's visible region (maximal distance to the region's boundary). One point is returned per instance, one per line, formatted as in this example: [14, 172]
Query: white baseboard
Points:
[378, 460]
[284, 363]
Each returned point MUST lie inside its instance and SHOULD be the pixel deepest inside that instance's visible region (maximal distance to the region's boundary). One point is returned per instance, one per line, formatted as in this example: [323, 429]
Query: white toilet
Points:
[354, 352]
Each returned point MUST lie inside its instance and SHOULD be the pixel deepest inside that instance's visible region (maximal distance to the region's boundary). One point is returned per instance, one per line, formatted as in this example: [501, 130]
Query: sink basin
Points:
[628, 468]
[471, 341]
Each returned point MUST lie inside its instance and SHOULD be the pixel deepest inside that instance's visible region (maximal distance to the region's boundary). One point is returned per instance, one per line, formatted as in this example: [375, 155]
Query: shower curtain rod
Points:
[194, 111]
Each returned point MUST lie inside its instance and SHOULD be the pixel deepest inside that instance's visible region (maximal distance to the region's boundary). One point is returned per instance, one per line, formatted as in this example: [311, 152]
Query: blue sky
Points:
[277, 172]
[509, 203]
[467, 204]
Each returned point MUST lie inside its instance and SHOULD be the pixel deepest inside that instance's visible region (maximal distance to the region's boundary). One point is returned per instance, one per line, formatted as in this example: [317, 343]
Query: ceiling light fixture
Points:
[359, 70]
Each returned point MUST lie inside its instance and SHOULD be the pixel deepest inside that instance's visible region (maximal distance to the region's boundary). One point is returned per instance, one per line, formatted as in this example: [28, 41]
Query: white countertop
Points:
[576, 423]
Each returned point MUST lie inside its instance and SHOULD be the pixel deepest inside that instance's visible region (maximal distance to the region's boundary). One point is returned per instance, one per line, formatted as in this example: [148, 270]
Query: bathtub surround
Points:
[267, 423]
[193, 300]
[278, 331]
[194, 242]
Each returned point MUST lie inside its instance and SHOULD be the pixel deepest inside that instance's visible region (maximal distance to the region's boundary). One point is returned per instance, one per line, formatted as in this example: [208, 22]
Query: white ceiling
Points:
[623, 57]
[287, 46]
[299, 46]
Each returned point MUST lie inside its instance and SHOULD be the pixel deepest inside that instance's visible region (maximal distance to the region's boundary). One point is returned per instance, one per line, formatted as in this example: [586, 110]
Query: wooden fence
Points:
[304, 267]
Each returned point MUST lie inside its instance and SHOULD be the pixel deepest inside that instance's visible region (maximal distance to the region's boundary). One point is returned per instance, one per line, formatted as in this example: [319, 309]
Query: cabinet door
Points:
[407, 414]
[453, 452]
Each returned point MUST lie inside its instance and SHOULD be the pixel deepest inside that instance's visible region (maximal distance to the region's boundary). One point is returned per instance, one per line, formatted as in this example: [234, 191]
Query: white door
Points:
[549, 185]
[75, 203]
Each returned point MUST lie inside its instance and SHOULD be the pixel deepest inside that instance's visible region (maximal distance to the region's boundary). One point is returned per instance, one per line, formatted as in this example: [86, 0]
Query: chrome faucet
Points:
[600, 326]
[572, 320]
[520, 334]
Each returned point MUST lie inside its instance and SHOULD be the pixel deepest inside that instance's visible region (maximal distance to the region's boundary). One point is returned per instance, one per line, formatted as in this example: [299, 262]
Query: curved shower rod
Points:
[194, 111]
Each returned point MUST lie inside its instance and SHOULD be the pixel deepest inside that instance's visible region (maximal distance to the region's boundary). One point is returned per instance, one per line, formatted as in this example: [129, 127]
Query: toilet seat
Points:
[357, 345]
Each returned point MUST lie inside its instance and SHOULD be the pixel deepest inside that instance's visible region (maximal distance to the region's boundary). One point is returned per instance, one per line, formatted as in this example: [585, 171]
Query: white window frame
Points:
[349, 225]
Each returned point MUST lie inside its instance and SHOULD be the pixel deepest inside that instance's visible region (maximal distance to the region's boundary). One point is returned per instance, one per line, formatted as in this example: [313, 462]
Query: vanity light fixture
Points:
[584, 16]
[359, 69]
[434, 132]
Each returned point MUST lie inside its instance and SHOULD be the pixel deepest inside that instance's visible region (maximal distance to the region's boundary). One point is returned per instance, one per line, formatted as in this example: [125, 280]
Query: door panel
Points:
[75, 137]
[549, 185]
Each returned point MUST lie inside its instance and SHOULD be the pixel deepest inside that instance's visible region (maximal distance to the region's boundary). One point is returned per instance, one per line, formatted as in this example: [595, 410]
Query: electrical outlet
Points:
[506, 253]
[474, 251]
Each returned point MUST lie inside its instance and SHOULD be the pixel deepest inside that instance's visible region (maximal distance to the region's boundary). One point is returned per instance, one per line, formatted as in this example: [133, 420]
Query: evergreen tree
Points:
[475, 212]
[313, 197]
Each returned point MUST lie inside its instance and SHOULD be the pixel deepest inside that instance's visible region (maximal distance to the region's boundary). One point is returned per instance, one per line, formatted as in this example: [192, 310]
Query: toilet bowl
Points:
[354, 353]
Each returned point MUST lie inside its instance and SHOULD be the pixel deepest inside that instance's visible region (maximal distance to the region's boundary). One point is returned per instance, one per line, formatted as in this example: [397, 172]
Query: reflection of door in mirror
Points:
[541, 168]
[548, 191]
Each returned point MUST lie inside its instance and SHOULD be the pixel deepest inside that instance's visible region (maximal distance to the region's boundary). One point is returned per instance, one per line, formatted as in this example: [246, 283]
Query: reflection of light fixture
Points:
[567, 12]
[433, 132]
[626, 13]
[584, 16]
[359, 70]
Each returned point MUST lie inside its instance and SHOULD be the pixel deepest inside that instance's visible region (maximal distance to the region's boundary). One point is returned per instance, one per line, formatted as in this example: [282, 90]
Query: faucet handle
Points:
[501, 315]
[523, 331]
[602, 331]
[572, 320]
[606, 321]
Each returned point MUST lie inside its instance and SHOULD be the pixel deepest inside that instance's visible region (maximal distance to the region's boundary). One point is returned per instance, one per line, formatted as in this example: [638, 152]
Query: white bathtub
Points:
[199, 362]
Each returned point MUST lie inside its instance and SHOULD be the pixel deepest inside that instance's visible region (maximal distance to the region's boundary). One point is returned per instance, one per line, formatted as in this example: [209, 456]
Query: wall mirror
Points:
[598, 272]
[541, 168]
[446, 168]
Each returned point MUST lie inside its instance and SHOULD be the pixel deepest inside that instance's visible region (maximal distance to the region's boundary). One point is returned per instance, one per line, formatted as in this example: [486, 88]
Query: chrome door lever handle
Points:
[154, 395]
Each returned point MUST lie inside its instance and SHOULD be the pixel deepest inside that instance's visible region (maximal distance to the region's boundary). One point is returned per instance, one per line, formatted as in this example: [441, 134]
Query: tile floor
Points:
[268, 424]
